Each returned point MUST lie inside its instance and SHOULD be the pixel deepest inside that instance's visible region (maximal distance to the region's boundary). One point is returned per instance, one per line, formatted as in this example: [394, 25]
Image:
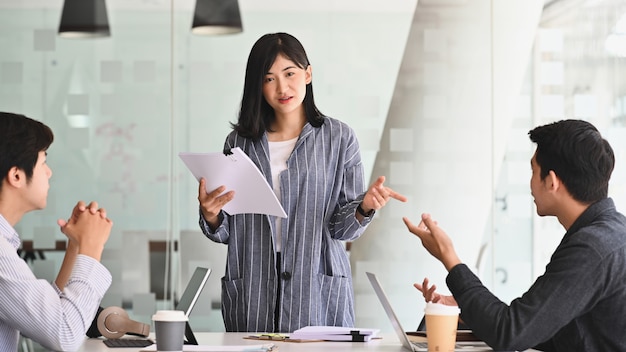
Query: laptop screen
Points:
[192, 291]
[190, 296]
[395, 322]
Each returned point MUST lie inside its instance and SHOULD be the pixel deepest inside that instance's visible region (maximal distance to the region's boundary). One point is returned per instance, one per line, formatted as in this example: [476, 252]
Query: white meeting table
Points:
[389, 343]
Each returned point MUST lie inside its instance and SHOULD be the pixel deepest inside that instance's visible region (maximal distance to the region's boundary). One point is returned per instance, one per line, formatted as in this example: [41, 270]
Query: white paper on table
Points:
[238, 173]
[333, 333]
[317, 329]
[208, 348]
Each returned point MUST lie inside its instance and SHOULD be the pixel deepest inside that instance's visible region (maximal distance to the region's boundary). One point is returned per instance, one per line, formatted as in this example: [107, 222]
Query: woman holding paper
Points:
[286, 273]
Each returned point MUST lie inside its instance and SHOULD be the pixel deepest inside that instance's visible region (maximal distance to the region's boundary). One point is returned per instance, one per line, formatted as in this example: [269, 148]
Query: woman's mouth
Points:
[284, 100]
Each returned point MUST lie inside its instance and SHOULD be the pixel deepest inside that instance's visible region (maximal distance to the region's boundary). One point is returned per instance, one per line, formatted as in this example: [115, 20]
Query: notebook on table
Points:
[415, 346]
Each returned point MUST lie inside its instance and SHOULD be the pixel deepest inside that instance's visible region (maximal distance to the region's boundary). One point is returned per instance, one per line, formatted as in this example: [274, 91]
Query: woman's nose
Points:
[282, 86]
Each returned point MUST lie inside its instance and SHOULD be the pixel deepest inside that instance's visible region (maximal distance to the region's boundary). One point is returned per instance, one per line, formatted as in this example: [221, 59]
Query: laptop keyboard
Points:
[476, 346]
[419, 345]
[128, 342]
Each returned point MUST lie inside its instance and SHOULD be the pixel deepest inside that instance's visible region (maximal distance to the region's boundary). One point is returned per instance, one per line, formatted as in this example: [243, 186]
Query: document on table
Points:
[207, 348]
[334, 333]
[238, 173]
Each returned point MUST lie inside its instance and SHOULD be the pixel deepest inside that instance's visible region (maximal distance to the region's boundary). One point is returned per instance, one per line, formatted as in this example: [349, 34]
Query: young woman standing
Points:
[283, 274]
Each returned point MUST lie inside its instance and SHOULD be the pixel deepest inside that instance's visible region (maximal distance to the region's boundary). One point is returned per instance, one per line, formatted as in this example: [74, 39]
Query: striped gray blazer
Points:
[320, 190]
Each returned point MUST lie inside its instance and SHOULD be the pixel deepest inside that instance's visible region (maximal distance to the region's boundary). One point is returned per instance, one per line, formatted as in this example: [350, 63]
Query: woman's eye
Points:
[268, 79]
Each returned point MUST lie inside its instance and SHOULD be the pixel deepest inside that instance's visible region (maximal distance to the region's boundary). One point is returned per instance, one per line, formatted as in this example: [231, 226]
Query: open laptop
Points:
[406, 342]
[189, 298]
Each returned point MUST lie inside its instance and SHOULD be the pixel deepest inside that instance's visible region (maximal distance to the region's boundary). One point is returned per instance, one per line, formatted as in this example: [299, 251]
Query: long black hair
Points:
[256, 115]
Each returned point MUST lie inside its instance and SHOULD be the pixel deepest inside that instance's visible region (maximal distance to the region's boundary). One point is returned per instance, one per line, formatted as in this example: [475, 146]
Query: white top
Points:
[279, 153]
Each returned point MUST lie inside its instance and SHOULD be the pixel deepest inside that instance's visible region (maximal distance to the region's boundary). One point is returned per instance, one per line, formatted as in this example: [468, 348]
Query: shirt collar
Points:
[591, 213]
[8, 232]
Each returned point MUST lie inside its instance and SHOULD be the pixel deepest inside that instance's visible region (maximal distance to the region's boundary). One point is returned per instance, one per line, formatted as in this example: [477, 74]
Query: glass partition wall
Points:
[122, 107]
[109, 102]
[574, 71]
[440, 95]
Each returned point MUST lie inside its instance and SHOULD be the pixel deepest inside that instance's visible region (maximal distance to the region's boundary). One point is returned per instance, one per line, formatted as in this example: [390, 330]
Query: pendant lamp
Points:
[84, 19]
[216, 17]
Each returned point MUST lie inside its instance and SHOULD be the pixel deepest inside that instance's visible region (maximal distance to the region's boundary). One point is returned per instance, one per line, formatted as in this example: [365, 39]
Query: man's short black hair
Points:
[21, 140]
[578, 155]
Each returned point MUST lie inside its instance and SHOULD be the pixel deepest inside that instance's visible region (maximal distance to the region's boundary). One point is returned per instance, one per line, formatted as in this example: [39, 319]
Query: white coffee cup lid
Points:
[169, 315]
[441, 309]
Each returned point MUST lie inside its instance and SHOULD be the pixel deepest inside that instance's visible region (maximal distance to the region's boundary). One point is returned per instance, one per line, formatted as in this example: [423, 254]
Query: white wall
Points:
[443, 142]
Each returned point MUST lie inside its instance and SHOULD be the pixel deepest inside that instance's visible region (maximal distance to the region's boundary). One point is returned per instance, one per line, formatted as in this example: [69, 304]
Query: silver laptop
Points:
[189, 298]
[406, 342]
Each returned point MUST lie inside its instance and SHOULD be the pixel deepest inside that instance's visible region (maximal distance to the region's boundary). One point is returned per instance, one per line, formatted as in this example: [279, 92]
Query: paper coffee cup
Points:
[169, 327]
[441, 325]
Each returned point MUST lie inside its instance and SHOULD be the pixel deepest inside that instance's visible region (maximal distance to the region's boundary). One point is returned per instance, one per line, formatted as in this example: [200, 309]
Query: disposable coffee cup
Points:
[441, 325]
[169, 327]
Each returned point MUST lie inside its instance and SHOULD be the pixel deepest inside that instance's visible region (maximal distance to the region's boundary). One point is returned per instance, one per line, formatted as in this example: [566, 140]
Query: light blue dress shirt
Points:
[57, 320]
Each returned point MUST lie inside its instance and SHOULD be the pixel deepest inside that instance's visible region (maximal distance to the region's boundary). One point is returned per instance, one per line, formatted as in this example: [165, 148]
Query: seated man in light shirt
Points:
[578, 303]
[55, 315]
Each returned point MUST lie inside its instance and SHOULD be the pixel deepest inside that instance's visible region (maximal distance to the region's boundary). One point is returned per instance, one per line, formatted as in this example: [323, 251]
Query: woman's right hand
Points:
[431, 296]
[211, 203]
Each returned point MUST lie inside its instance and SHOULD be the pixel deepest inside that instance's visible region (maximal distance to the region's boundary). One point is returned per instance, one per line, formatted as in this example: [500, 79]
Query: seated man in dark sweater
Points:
[578, 304]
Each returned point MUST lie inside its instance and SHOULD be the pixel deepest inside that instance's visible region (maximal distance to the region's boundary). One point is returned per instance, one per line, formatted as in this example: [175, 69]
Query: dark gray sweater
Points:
[578, 304]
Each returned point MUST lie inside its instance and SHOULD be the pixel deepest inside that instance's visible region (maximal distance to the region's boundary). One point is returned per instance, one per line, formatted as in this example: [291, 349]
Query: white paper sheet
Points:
[237, 172]
[333, 333]
[207, 348]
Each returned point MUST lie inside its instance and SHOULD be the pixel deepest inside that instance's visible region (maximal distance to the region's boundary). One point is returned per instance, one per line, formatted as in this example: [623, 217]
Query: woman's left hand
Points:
[378, 195]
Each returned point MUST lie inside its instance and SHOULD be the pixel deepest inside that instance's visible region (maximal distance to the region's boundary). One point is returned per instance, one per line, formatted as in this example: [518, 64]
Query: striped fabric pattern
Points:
[321, 188]
[38, 309]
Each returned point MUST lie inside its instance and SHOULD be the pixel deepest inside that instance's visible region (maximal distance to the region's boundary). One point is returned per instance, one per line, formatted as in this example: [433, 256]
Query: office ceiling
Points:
[376, 6]
[245, 5]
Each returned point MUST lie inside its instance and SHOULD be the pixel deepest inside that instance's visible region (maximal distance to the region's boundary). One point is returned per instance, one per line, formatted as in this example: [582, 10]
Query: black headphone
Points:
[113, 323]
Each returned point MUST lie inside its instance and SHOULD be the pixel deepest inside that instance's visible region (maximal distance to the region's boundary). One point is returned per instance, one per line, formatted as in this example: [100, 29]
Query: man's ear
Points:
[553, 181]
[16, 177]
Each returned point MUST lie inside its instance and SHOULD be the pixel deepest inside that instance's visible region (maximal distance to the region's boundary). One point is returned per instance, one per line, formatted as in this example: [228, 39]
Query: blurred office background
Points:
[441, 94]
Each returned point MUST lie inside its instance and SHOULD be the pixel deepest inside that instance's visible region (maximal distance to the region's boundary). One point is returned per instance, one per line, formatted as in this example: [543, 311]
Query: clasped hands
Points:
[88, 227]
